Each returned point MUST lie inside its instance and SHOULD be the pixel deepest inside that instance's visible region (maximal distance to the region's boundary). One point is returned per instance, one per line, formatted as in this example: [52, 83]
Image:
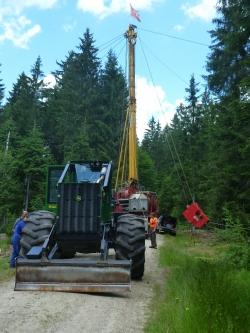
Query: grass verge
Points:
[202, 292]
[5, 272]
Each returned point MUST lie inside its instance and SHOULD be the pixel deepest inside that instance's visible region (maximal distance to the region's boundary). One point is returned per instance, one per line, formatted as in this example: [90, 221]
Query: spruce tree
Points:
[20, 104]
[152, 139]
[228, 62]
[228, 78]
[32, 159]
[36, 86]
[11, 195]
[37, 76]
[146, 171]
[114, 105]
[76, 102]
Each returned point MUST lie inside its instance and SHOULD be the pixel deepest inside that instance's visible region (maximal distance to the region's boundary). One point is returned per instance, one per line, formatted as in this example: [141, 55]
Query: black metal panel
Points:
[83, 243]
[80, 208]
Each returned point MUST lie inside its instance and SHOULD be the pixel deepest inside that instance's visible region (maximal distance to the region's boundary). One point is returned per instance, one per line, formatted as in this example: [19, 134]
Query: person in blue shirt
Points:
[16, 237]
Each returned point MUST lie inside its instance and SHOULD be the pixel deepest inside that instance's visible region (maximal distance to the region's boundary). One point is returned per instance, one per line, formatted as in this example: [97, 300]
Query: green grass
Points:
[5, 272]
[201, 293]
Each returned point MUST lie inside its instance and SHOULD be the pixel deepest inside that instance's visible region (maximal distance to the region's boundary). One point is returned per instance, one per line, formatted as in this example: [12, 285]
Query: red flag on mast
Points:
[135, 13]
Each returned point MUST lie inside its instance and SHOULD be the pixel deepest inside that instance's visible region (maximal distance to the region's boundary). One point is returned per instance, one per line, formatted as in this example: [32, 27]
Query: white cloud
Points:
[16, 7]
[178, 27]
[152, 101]
[69, 26]
[18, 31]
[42, 4]
[49, 80]
[205, 10]
[103, 8]
[14, 25]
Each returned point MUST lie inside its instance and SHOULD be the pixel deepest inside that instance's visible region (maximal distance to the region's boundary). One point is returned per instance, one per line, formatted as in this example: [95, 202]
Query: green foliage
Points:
[1, 93]
[168, 201]
[237, 252]
[201, 293]
[238, 255]
[234, 231]
[80, 149]
[5, 271]
[20, 105]
[10, 188]
[152, 141]
[114, 104]
[147, 173]
[230, 48]
[203, 155]
[84, 114]
[80, 118]
[32, 161]
[7, 227]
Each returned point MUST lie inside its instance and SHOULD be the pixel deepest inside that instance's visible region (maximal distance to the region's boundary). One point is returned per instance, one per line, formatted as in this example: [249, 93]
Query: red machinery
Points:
[195, 215]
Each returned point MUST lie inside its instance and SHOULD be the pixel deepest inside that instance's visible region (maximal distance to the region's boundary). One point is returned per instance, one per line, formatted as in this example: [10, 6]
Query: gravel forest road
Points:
[59, 312]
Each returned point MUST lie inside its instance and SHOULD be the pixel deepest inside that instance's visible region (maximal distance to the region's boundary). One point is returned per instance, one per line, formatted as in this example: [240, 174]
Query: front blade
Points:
[73, 275]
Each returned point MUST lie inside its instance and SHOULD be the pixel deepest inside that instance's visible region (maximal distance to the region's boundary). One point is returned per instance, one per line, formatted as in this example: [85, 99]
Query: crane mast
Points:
[127, 172]
[131, 35]
[128, 197]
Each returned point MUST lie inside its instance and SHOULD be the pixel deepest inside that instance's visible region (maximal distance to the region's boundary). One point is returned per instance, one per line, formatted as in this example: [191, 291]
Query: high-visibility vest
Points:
[153, 222]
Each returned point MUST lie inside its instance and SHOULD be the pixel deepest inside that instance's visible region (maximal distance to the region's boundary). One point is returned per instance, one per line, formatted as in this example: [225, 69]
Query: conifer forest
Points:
[202, 155]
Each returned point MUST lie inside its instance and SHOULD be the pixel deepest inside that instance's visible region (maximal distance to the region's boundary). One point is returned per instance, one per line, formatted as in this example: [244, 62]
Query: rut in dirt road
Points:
[47, 312]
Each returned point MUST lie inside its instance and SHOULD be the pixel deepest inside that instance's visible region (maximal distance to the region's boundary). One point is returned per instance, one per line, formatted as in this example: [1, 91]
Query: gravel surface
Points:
[59, 312]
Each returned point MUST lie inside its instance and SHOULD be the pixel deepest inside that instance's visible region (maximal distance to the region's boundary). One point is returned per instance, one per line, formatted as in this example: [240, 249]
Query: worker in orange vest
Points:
[153, 222]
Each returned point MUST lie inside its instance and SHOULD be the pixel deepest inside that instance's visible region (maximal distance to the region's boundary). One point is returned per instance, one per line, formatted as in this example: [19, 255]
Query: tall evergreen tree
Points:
[228, 67]
[76, 97]
[10, 187]
[114, 104]
[21, 106]
[36, 85]
[37, 76]
[193, 108]
[146, 171]
[195, 150]
[152, 141]
[228, 62]
[32, 159]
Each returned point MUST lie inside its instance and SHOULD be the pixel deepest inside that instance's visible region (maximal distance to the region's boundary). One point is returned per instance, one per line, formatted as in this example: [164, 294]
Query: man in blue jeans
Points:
[15, 240]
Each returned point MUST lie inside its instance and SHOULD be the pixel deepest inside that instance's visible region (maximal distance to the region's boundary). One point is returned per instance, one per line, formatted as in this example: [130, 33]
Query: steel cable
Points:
[171, 152]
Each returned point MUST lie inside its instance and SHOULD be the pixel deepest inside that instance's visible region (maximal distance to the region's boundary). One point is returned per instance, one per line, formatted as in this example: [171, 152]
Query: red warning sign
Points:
[195, 215]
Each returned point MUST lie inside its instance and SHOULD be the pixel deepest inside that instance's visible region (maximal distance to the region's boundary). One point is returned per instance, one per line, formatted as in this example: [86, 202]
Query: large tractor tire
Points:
[130, 242]
[36, 230]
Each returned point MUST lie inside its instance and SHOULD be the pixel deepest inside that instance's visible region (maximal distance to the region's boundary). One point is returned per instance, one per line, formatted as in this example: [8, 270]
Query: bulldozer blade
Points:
[73, 275]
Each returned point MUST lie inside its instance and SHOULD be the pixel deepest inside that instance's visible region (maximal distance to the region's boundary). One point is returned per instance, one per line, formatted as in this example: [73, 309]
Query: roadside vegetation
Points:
[206, 286]
[5, 271]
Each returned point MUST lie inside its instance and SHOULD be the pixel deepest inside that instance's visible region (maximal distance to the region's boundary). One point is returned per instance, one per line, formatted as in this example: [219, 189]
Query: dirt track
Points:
[35, 312]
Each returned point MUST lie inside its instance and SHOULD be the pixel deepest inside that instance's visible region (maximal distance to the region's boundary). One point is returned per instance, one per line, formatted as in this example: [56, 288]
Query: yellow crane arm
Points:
[132, 158]
[128, 151]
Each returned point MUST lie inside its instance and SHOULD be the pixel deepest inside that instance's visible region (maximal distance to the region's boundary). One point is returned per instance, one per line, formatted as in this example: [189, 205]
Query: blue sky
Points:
[51, 28]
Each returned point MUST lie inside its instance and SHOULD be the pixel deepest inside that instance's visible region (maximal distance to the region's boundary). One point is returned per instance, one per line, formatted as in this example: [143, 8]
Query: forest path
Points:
[47, 312]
